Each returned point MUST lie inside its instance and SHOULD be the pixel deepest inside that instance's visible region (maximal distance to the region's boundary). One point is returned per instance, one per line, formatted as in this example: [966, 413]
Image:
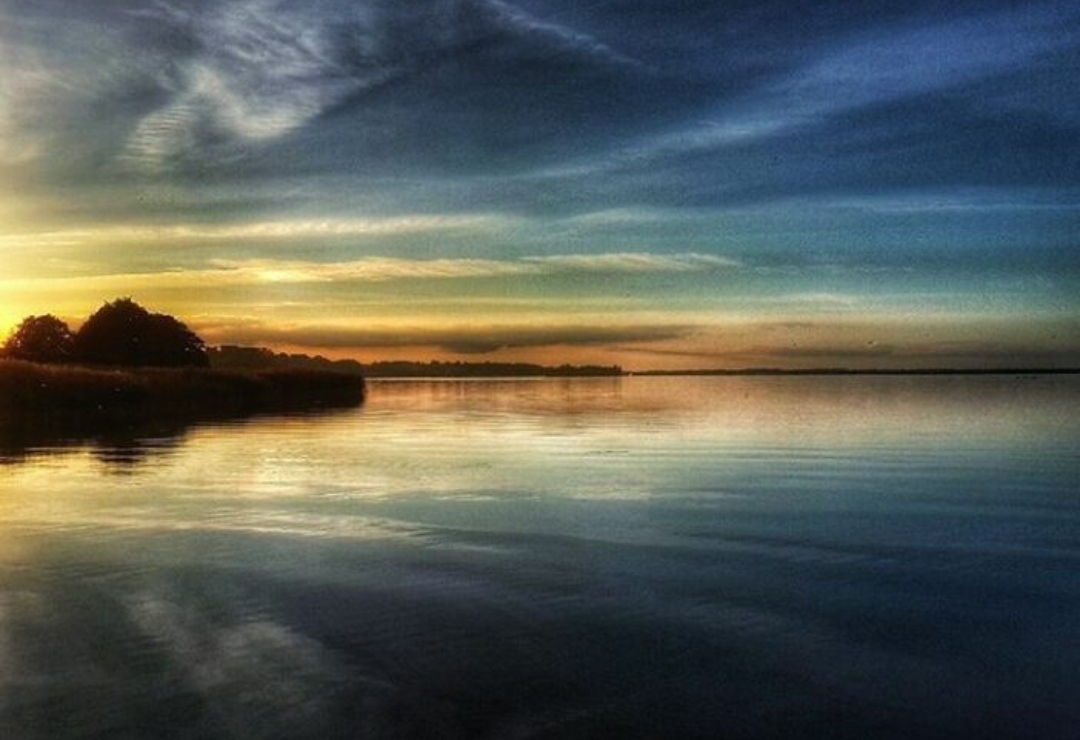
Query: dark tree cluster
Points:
[40, 339]
[119, 333]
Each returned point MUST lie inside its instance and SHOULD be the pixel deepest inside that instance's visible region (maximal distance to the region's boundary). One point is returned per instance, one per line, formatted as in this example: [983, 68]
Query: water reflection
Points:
[118, 442]
[638, 557]
[799, 410]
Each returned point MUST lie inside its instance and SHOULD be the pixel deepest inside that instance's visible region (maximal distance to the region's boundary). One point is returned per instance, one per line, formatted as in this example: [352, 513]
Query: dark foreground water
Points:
[853, 557]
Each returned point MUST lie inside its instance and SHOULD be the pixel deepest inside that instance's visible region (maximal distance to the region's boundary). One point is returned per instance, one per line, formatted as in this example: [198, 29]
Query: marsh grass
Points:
[190, 393]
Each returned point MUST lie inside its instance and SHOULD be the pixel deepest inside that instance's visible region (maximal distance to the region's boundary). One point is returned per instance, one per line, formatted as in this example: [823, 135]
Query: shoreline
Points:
[754, 372]
[860, 371]
[189, 393]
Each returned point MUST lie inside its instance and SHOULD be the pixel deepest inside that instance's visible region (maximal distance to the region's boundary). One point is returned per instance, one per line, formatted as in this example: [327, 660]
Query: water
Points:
[848, 557]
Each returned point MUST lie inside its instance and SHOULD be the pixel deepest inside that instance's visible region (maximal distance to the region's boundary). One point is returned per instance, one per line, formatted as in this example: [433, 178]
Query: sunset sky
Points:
[651, 183]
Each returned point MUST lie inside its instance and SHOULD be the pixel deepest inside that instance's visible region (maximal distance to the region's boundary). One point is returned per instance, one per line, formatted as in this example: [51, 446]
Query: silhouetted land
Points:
[48, 406]
[869, 371]
[485, 370]
[187, 393]
[233, 357]
[236, 358]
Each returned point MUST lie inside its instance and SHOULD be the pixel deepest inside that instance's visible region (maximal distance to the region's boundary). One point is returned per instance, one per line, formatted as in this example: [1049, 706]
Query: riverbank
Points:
[193, 393]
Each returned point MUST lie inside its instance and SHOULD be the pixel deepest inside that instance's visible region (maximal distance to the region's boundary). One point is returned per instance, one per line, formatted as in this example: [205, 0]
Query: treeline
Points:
[126, 361]
[124, 334]
[232, 357]
[119, 334]
[435, 369]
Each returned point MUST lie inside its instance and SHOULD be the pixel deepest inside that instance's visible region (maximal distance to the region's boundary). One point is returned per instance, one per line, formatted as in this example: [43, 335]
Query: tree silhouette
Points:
[124, 333]
[40, 339]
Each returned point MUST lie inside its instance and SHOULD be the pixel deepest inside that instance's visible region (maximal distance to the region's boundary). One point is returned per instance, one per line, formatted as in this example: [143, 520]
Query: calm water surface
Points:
[861, 557]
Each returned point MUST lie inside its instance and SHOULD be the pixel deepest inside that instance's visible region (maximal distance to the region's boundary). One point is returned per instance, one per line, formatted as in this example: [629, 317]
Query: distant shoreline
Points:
[753, 372]
[862, 371]
[233, 357]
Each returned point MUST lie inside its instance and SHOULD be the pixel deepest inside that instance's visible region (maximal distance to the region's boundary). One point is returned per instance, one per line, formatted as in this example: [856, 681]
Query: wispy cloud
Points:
[221, 272]
[464, 338]
[52, 76]
[261, 230]
[323, 156]
[632, 262]
[262, 69]
[815, 299]
[391, 268]
[520, 21]
[869, 67]
[964, 200]
[895, 61]
[367, 269]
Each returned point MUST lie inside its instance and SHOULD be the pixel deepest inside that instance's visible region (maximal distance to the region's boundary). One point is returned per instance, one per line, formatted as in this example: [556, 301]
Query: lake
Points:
[640, 557]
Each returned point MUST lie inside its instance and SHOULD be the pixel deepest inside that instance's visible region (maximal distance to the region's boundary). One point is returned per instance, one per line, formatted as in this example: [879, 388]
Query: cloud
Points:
[919, 56]
[67, 89]
[472, 338]
[817, 299]
[391, 268]
[632, 262]
[884, 104]
[554, 150]
[241, 90]
[561, 108]
[260, 70]
[224, 282]
[367, 269]
[887, 63]
[517, 20]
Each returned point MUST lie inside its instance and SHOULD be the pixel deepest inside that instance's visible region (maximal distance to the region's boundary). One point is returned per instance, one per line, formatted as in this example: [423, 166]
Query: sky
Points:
[655, 184]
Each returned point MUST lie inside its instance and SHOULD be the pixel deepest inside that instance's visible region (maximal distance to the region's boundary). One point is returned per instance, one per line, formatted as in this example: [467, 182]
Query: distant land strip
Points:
[866, 371]
[233, 357]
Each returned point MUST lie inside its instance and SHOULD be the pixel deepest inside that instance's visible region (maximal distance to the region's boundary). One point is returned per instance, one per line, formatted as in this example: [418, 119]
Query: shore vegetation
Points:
[127, 361]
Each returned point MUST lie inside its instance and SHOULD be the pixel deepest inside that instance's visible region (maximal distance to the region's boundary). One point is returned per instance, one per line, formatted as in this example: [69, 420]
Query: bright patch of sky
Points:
[629, 181]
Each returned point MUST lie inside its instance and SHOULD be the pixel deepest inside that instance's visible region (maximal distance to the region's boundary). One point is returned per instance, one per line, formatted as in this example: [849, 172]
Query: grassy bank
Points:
[67, 390]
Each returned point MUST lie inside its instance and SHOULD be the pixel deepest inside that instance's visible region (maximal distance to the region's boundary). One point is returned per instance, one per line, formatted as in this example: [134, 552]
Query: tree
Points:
[124, 333]
[40, 339]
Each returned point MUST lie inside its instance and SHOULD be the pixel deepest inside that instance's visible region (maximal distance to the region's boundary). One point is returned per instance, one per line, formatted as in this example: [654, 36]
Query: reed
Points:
[64, 390]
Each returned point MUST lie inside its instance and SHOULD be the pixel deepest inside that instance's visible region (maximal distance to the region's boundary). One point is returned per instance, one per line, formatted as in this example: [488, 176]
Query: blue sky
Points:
[655, 184]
